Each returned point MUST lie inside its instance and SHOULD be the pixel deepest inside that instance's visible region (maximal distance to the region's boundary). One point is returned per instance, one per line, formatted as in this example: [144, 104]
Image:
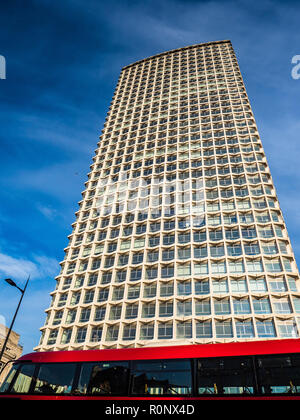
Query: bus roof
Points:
[171, 352]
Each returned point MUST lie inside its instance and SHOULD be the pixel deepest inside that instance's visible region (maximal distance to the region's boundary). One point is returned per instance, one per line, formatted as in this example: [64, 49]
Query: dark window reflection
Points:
[279, 374]
[55, 378]
[162, 377]
[225, 376]
[104, 378]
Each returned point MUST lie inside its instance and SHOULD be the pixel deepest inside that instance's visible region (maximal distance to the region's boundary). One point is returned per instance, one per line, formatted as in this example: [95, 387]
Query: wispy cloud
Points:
[49, 212]
[39, 266]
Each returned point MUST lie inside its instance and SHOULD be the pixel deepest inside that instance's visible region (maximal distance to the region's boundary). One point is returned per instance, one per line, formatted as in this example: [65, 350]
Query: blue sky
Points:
[63, 60]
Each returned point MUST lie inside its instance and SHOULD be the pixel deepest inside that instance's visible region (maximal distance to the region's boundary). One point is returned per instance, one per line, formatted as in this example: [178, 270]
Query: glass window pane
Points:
[279, 374]
[9, 378]
[225, 376]
[204, 329]
[201, 287]
[265, 328]
[104, 378]
[224, 329]
[244, 329]
[55, 378]
[162, 377]
[23, 380]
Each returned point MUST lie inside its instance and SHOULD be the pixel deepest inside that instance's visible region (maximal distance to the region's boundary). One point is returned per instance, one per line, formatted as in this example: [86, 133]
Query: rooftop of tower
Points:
[177, 49]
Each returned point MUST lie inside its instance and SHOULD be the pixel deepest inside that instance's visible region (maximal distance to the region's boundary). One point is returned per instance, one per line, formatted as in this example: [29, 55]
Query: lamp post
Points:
[12, 283]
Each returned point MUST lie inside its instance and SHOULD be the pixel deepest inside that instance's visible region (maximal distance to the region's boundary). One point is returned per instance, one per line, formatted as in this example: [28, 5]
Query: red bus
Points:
[248, 370]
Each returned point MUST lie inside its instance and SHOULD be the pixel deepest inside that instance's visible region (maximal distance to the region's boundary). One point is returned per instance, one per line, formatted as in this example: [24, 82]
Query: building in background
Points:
[179, 237]
[13, 350]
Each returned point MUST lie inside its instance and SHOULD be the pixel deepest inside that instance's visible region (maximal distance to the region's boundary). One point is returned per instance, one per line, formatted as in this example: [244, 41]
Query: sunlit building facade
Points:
[13, 350]
[179, 237]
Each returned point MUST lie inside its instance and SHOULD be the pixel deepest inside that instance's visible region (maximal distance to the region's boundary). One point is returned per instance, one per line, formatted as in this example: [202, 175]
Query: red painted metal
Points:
[172, 352]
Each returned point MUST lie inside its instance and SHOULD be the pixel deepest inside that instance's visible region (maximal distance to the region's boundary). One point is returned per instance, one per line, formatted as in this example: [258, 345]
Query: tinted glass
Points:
[225, 376]
[55, 378]
[103, 378]
[23, 380]
[9, 378]
[279, 374]
[161, 377]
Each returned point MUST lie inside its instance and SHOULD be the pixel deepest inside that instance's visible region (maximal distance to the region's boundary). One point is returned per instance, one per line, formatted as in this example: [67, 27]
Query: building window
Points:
[244, 329]
[66, 336]
[261, 305]
[121, 276]
[148, 310]
[81, 335]
[165, 331]
[282, 305]
[52, 337]
[133, 292]
[239, 286]
[166, 309]
[241, 306]
[258, 285]
[255, 266]
[131, 311]
[220, 286]
[129, 332]
[118, 293]
[203, 329]
[167, 271]
[103, 295]
[136, 274]
[150, 290]
[89, 296]
[222, 306]
[201, 287]
[96, 334]
[236, 267]
[184, 330]
[71, 316]
[184, 308]
[202, 307]
[85, 315]
[224, 329]
[147, 332]
[184, 270]
[112, 333]
[166, 289]
[115, 312]
[265, 328]
[287, 328]
[100, 313]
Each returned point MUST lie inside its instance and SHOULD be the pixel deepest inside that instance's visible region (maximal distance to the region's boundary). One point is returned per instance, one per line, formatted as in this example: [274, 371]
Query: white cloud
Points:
[49, 212]
[20, 268]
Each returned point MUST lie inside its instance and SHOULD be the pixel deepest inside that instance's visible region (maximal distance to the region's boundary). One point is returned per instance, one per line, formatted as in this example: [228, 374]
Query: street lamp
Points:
[12, 283]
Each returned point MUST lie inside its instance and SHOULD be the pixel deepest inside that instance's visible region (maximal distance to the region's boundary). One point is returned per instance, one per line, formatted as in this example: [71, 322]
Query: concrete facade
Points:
[13, 349]
[179, 237]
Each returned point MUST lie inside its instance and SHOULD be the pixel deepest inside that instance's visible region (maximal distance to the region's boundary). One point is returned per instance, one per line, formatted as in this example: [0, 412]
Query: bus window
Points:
[231, 375]
[23, 380]
[55, 378]
[103, 378]
[279, 374]
[160, 377]
[9, 378]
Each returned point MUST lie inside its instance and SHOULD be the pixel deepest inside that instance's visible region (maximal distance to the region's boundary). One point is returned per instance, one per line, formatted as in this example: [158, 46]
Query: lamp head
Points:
[11, 282]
